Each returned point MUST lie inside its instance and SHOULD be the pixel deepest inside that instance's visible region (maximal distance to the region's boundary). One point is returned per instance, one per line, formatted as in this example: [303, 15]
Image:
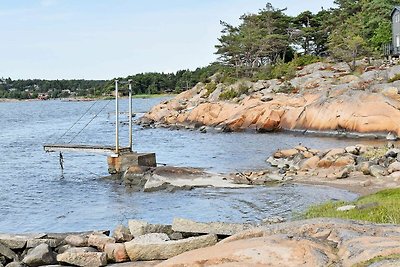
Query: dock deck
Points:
[83, 148]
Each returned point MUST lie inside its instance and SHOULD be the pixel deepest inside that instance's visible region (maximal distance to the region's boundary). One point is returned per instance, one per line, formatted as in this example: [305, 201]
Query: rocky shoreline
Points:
[322, 97]
[315, 242]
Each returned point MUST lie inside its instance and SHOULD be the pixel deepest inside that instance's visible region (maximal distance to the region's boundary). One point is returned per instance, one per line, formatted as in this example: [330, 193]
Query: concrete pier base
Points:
[120, 163]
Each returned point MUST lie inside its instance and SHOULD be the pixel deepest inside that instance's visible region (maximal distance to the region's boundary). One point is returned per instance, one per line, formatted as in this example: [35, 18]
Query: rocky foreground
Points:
[316, 242]
[322, 97]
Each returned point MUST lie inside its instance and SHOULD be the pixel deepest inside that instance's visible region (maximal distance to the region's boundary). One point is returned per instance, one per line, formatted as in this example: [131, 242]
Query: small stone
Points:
[355, 150]
[122, 234]
[346, 208]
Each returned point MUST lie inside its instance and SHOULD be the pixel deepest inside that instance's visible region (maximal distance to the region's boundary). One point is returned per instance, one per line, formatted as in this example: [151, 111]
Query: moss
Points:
[386, 210]
[395, 78]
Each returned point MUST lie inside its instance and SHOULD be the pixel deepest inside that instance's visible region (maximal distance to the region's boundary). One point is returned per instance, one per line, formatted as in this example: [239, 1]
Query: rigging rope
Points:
[77, 121]
[73, 138]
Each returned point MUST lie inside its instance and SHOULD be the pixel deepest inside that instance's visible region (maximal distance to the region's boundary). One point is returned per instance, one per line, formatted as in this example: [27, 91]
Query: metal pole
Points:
[116, 119]
[130, 115]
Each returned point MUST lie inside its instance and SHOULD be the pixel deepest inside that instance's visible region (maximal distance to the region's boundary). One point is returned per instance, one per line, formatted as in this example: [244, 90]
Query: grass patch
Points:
[375, 152]
[387, 210]
[228, 94]
[210, 87]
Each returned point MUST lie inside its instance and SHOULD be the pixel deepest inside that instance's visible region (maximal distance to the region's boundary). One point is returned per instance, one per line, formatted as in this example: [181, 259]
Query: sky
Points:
[104, 39]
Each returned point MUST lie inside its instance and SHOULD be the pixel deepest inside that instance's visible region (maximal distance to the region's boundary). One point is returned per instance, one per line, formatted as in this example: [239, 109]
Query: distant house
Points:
[395, 15]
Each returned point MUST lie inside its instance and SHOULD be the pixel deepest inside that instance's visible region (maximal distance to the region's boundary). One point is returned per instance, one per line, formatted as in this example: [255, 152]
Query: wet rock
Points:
[77, 240]
[377, 171]
[116, 252]
[203, 129]
[86, 259]
[40, 255]
[219, 228]
[140, 250]
[122, 234]
[99, 241]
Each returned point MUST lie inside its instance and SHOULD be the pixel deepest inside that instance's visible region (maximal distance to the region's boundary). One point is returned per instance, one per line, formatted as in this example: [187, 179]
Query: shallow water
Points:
[34, 196]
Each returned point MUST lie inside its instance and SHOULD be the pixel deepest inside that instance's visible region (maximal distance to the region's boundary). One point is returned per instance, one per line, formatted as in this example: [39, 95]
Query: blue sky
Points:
[103, 39]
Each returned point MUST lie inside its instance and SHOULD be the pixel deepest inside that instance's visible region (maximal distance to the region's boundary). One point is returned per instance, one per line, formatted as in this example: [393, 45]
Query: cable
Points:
[73, 138]
[77, 121]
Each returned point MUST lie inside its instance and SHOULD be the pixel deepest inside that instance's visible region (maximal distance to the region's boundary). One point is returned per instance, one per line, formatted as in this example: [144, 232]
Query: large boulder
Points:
[122, 234]
[278, 250]
[218, 228]
[161, 250]
[85, 259]
[40, 255]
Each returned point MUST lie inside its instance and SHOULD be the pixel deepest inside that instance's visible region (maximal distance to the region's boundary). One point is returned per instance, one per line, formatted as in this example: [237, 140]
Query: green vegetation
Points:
[386, 210]
[377, 259]
[375, 153]
[228, 94]
[395, 78]
[210, 87]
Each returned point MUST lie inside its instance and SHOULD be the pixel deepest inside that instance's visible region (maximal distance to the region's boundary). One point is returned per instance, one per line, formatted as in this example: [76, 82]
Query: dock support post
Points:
[130, 115]
[116, 119]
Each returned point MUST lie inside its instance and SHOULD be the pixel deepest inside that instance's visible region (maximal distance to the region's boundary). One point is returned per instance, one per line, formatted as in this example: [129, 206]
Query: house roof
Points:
[395, 9]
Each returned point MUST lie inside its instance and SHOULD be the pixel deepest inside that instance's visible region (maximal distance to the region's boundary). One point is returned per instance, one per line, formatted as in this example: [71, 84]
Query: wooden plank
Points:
[82, 148]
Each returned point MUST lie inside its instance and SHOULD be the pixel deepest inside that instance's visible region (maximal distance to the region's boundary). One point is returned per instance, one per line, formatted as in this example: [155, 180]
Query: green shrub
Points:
[243, 89]
[395, 78]
[210, 87]
[300, 61]
[228, 94]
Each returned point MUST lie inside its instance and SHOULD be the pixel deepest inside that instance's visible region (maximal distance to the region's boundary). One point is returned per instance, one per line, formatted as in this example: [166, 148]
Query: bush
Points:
[210, 87]
[228, 94]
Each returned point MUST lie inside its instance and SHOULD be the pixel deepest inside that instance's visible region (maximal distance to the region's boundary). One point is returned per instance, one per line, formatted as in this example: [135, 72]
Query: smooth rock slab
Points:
[18, 241]
[218, 228]
[86, 259]
[164, 250]
[40, 255]
[278, 250]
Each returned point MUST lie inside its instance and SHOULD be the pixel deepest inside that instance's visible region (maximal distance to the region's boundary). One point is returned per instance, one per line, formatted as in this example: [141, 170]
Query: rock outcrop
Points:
[327, 98]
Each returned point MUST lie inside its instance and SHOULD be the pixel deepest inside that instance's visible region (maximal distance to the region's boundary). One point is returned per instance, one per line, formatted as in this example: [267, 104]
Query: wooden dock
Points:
[84, 148]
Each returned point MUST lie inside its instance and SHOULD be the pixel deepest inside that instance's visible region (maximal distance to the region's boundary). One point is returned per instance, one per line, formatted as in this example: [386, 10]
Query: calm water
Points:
[34, 196]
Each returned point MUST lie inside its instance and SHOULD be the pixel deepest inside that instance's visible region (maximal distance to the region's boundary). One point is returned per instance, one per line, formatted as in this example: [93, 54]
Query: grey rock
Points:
[394, 167]
[176, 236]
[86, 259]
[152, 238]
[219, 228]
[164, 250]
[18, 241]
[137, 227]
[40, 255]
[377, 171]
[7, 252]
[15, 264]
[32, 243]
[122, 234]
[392, 153]
[393, 71]
[99, 241]
[355, 150]
[77, 240]
[81, 250]
[266, 98]
[273, 220]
